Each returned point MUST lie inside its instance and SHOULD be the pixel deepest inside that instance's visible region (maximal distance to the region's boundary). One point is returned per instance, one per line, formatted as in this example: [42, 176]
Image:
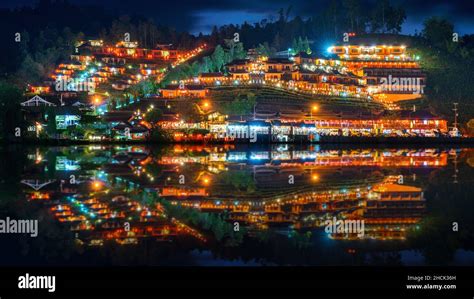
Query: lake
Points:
[235, 205]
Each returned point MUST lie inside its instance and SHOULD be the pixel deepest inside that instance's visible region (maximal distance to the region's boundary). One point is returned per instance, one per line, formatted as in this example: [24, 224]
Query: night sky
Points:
[200, 15]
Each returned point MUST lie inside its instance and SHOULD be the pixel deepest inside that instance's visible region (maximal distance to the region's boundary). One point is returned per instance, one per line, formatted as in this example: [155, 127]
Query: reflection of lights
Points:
[315, 178]
[96, 185]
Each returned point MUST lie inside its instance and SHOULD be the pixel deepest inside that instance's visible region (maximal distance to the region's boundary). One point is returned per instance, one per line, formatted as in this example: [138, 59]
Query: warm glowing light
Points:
[96, 185]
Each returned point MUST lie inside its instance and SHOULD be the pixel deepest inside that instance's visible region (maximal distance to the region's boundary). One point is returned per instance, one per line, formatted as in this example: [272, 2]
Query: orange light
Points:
[315, 108]
[96, 185]
[315, 177]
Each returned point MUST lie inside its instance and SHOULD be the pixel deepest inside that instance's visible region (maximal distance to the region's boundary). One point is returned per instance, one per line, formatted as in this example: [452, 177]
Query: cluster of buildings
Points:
[100, 68]
[303, 127]
[381, 72]
[373, 73]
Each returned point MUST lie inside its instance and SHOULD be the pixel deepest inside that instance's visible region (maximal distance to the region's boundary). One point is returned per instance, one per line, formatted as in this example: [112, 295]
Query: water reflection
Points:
[236, 201]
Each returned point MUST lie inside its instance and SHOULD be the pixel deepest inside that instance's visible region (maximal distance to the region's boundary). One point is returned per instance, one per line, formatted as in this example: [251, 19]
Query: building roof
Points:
[186, 87]
[410, 114]
[71, 62]
[117, 116]
[169, 117]
[315, 72]
[396, 188]
[238, 62]
[279, 60]
[138, 129]
[207, 75]
[238, 72]
[380, 39]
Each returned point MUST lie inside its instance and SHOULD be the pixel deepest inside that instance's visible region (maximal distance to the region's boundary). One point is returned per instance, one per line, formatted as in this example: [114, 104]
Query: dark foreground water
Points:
[238, 206]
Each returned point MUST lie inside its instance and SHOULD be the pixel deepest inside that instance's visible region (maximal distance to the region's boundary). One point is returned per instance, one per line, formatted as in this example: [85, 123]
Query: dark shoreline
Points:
[323, 140]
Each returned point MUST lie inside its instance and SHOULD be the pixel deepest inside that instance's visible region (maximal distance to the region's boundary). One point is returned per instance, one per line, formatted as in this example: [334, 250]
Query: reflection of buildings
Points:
[251, 187]
[388, 210]
[392, 209]
[120, 218]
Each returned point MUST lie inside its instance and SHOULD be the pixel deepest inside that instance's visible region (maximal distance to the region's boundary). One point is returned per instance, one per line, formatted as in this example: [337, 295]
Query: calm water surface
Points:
[238, 206]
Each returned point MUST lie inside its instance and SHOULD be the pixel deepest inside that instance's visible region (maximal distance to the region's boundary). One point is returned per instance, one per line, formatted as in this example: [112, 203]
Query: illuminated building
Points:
[211, 78]
[130, 50]
[40, 89]
[176, 91]
[377, 52]
[383, 66]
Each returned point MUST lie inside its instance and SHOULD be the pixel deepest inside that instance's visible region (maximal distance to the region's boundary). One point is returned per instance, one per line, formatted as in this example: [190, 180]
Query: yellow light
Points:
[96, 185]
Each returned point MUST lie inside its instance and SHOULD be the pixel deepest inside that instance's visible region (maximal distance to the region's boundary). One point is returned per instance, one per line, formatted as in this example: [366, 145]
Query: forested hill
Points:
[49, 30]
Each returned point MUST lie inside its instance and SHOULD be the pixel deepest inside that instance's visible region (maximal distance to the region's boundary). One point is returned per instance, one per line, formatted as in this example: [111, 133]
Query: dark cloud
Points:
[201, 15]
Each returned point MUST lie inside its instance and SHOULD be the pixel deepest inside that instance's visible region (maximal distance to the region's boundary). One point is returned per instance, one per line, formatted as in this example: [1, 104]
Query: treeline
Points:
[48, 32]
[340, 16]
[37, 38]
[448, 60]
[212, 63]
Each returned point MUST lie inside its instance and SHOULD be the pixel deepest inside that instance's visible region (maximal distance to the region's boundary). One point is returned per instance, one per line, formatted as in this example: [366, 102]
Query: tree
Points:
[353, 10]
[30, 71]
[379, 14]
[438, 31]
[239, 51]
[395, 18]
[207, 64]
[218, 58]
[146, 87]
[265, 50]
[243, 105]
[10, 110]
[153, 116]
[51, 122]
